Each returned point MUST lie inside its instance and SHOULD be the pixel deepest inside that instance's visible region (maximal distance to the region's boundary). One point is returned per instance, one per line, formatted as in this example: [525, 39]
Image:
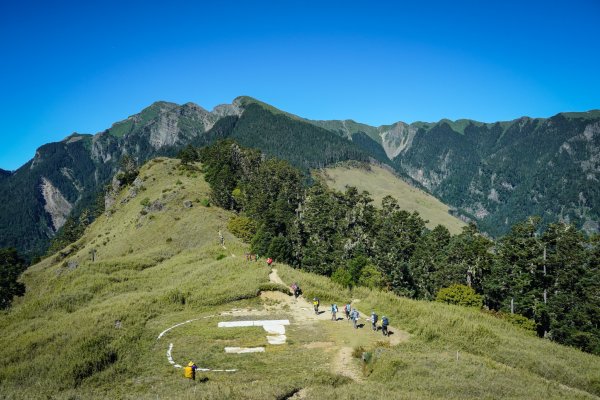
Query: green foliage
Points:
[301, 143]
[188, 155]
[11, 267]
[461, 295]
[128, 170]
[521, 321]
[145, 202]
[280, 249]
[371, 277]
[242, 227]
[72, 230]
[343, 277]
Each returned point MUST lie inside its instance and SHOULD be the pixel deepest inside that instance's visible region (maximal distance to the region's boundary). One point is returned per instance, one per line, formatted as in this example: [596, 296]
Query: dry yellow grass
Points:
[380, 182]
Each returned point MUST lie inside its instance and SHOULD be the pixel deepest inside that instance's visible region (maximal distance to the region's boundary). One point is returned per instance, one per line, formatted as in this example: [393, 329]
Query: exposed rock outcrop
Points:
[56, 205]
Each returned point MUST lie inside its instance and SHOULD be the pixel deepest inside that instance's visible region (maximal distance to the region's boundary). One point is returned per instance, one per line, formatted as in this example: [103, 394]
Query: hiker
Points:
[190, 371]
[347, 309]
[374, 320]
[296, 290]
[354, 315]
[334, 310]
[269, 261]
[316, 305]
[384, 325]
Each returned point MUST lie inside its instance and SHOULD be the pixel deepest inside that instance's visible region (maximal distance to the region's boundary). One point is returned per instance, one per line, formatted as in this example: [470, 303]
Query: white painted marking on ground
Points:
[170, 349]
[233, 324]
[242, 350]
[277, 339]
[175, 326]
[274, 329]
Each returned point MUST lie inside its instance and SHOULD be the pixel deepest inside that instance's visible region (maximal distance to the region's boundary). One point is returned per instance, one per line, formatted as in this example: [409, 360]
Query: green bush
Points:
[343, 277]
[461, 295]
[205, 202]
[520, 321]
[242, 227]
[145, 202]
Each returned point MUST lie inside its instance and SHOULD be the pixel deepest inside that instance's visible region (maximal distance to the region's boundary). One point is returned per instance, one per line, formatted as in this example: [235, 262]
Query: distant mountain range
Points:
[492, 173]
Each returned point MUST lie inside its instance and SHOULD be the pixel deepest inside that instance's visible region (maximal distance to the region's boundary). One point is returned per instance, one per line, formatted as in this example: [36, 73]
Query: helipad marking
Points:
[170, 349]
[275, 327]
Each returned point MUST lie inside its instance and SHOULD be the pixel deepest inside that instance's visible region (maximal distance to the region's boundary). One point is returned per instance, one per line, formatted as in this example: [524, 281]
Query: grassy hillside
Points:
[380, 182]
[88, 329]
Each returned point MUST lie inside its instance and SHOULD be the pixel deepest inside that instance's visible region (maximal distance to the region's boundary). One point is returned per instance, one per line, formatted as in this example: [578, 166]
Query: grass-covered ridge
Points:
[88, 329]
[380, 182]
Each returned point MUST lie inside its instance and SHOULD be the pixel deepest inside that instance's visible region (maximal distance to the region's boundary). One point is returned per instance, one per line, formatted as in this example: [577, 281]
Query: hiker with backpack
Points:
[316, 305]
[374, 319]
[347, 310]
[334, 310]
[189, 371]
[354, 316]
[296, 290]
[384, 325]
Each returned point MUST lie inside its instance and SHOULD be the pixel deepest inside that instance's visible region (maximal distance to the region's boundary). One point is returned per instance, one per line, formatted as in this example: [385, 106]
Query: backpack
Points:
[334, 308]
[348, 308]
[188, 372]
[374, 318]
[385, 321]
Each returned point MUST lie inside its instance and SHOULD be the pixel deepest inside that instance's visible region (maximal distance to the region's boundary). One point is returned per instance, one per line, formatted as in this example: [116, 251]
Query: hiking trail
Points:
[343, 336]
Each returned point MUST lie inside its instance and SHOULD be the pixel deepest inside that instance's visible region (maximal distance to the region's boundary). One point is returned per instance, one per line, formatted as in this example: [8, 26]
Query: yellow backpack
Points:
[188, 372]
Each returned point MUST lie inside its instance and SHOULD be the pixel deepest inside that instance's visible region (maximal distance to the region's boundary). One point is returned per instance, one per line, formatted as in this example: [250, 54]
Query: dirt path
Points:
[343, 335]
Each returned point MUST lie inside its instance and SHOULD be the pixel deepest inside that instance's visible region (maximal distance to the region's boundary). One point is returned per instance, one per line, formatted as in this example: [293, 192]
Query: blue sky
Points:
[80, 67]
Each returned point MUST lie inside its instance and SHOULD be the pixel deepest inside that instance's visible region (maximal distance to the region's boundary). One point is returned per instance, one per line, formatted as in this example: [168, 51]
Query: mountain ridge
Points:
[485, 171]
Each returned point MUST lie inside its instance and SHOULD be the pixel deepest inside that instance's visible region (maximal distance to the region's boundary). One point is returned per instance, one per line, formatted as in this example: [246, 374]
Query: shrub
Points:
[145, 202]
[460, 295]
[521, 321]
[205, 202]
[371, 277]
[343, 277]
[242, 227]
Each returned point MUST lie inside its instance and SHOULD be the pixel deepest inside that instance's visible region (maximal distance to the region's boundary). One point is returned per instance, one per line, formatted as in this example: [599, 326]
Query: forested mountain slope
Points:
[499, 173]
[495, 174]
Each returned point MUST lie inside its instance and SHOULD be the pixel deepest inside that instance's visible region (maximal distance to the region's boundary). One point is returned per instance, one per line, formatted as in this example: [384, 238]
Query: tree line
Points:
[550, 276]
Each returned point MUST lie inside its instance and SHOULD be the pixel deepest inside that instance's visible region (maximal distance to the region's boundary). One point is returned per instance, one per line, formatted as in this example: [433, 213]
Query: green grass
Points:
[380, 182]
[495, 359]
[91, 332]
